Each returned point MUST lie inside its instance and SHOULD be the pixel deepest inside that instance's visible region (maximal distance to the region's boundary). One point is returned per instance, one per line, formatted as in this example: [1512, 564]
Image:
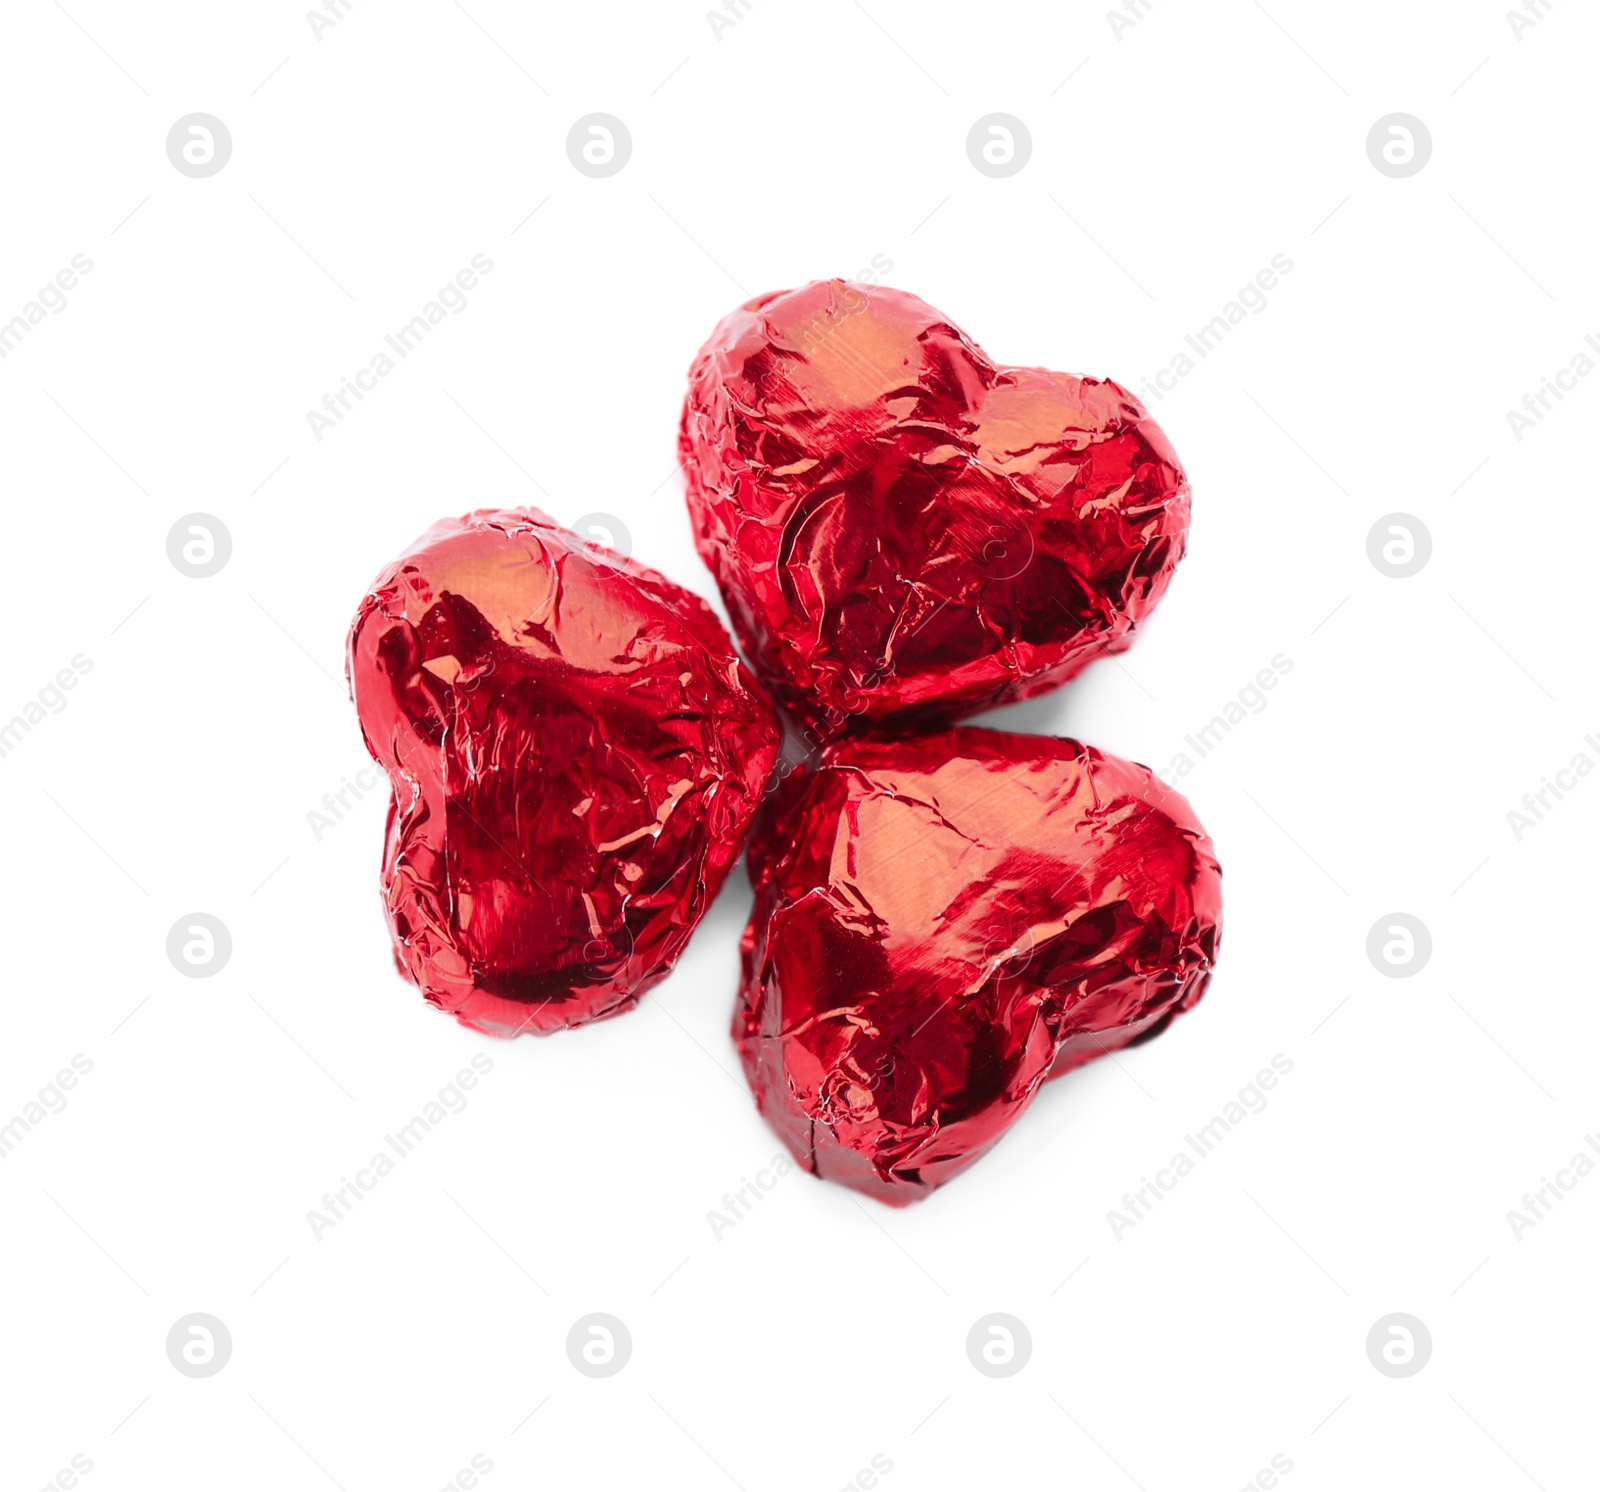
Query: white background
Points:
[369, 167]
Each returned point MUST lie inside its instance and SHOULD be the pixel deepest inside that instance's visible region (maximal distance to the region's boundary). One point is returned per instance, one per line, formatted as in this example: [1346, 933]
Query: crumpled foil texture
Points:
[944, 922]
[906, 532]
[576, 754]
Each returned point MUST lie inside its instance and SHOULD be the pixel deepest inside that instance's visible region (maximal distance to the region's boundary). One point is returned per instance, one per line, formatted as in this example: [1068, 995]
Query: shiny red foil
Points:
[576, 753]
[905, 531]
[942, 923]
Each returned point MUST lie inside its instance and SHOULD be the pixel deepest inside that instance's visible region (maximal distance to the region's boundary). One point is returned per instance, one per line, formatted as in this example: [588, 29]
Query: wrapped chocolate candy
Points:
[905, 531]
[942, 923]
[576, 753]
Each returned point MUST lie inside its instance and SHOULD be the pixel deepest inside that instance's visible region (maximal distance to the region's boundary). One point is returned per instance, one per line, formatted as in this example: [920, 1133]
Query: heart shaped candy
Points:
[941, 923]
[576, 754]
[906, 532]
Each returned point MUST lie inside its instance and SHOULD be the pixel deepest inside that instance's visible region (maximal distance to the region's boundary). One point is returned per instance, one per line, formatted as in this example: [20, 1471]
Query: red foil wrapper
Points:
[576, 754]
[941, 924]
[905, 531]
